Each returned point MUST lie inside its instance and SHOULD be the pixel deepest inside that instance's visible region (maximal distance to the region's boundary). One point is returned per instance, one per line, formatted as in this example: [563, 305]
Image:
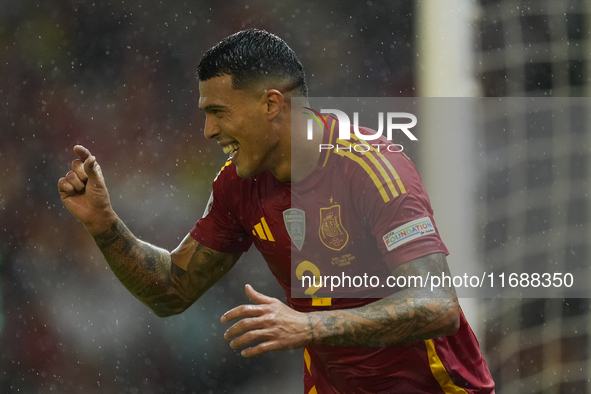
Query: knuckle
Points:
[267, 308]
[267, 346]
[258, 335]
[269, 322]
[271, 314]
[71, 176]
[252, 335]
[247, 308]
[241, 326]
[77, 165]
[253, 309]
[63, 184]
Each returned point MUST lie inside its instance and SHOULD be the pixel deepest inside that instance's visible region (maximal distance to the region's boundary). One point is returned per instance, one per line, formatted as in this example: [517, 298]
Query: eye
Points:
[217, 113]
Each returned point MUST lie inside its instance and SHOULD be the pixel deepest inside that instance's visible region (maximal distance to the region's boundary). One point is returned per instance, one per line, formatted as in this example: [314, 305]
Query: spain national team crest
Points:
[332, 233]
[295, 223]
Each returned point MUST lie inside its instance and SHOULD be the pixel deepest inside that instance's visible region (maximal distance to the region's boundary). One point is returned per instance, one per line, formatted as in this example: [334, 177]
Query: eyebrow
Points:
[211, 107]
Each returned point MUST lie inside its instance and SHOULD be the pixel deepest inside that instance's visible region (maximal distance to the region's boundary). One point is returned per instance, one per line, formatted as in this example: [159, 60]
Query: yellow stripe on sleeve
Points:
[394, 173]
[367, 169]
[376, 163]
[440, 373]
[223, 168]
[329, 141]
[388, 165]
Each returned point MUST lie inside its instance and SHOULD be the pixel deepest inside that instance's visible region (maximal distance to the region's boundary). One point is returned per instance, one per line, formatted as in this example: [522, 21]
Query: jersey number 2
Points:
[311, 267]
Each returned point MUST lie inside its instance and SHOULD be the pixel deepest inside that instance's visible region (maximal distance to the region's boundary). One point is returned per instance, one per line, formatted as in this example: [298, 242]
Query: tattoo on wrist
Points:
[109, 237]
[311, 328]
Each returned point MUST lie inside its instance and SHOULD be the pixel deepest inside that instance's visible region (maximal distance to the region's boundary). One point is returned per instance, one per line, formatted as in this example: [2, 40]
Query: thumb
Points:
[94, 172]
[256, 297]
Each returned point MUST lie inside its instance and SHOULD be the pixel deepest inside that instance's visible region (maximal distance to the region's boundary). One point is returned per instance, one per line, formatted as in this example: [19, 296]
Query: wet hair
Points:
[253, 56]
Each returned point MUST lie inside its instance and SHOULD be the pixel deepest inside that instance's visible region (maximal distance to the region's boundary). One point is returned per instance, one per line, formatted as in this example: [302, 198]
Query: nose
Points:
[211, 129]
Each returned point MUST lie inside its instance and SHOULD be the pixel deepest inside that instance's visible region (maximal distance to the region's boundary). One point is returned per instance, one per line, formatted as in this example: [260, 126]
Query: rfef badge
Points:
[332, 233]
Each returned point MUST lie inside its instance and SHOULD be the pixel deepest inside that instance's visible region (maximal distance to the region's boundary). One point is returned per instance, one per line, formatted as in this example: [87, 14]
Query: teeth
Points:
[230, 148]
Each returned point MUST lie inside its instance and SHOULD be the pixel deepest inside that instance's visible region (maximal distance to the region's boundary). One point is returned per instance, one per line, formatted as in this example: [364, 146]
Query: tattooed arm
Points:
[167, 282]
[411, 315]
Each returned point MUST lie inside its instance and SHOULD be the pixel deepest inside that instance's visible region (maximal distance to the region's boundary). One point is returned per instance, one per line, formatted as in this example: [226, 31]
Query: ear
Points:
[274, 102]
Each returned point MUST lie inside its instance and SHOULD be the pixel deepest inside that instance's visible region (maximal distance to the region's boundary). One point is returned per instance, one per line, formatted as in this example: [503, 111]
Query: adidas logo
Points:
[263, 231]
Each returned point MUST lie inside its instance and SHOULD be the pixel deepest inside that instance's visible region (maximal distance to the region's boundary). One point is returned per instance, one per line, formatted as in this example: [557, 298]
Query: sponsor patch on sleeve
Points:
[408, 232]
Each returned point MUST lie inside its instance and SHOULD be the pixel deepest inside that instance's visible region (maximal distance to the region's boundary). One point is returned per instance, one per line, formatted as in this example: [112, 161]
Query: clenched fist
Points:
[84, 193]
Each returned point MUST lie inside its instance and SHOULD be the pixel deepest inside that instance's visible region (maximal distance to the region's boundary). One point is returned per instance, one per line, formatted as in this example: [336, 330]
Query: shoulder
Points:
[357, 153]
[227, 178]
[236, 190]
[227, 186]
[226, 173]
[376, 165]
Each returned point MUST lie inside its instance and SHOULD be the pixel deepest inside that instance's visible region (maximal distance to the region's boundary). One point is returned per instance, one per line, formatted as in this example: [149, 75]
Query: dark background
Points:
[119, 78]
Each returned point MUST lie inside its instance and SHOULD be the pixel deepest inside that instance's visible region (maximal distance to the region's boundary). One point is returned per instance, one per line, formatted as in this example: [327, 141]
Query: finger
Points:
[261, 348]
[242, 311]
[75, 181]
[82, 152]
[93, 170]
[242, 326]
[78, 168]
[256, 297]
[65, 188]
[251, 336]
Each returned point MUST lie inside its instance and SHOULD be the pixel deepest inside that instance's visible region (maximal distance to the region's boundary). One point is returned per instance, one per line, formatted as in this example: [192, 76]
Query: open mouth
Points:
[231, 149]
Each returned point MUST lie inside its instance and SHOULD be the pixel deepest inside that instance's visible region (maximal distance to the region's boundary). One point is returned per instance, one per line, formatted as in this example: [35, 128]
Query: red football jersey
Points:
[362, 211]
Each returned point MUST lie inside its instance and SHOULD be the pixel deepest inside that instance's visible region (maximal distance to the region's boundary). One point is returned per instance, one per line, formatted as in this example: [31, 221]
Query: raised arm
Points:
[166, 282]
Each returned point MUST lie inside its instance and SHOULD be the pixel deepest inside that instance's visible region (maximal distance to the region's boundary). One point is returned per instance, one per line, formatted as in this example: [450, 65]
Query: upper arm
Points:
[427, 267]
[399, 215]
[441, 301]
[181, 256]
[196, 267]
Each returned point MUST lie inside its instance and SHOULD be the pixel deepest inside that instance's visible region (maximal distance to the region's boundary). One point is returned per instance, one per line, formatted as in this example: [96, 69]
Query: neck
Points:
[303, 154]
[296, 156]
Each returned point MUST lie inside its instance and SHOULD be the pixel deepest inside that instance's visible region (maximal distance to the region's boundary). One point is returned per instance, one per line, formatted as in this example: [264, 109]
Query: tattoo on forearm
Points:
[150, 275]
[411, 315]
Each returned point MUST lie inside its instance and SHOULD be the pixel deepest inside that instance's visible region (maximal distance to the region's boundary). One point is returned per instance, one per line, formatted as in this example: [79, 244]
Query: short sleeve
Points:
[403, 226]
[218, 229]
